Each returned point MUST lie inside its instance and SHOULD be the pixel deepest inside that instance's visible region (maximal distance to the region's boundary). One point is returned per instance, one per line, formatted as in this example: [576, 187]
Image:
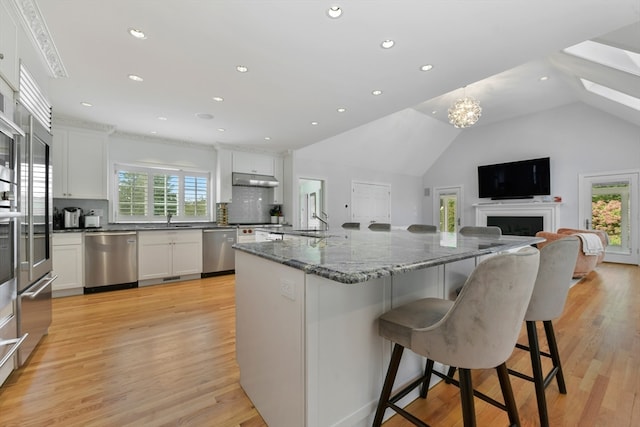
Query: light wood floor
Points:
[165, 356]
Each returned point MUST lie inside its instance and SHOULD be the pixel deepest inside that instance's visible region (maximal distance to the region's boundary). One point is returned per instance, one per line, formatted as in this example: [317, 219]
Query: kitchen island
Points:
[306, 308]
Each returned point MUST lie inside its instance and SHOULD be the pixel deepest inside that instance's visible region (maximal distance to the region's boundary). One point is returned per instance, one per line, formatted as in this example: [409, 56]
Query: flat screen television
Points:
[515, 180]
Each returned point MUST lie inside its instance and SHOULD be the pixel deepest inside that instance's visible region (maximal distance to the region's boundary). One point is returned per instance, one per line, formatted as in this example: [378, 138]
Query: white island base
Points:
[308, 347]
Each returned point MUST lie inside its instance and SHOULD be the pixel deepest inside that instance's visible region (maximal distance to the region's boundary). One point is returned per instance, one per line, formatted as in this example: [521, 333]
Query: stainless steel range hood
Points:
[250, 180]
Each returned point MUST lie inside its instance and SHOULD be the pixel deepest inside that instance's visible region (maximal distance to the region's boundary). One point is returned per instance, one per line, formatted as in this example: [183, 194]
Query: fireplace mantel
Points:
[547, 210]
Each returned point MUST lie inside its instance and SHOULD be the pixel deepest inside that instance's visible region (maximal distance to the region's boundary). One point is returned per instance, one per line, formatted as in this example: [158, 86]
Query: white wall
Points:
[577, 138]
[406, 191]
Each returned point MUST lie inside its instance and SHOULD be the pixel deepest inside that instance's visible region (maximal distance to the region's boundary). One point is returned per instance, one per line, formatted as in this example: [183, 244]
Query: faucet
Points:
[169, 219]
[326, 223]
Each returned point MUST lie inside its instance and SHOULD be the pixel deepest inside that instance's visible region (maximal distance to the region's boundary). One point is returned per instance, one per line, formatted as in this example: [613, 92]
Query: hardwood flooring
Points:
[165, 356]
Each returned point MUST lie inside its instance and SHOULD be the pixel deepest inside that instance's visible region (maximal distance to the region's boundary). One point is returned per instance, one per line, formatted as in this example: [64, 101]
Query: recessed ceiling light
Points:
[86, 104]
[376, 92]
[334, 12]
[387, 44]
[242, 69]
[164, 119]
[341, 110]
[204, 116]
[314, 123]
[221, 129]
[135, 78]
[434, 112]
[139, 34]
[153, 132]
[267, 138]
[426, 67]
[218, 98]
[544, 78]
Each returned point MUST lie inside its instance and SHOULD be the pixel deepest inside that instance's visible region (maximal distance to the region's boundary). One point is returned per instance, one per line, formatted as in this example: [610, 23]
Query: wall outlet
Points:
[287, 289]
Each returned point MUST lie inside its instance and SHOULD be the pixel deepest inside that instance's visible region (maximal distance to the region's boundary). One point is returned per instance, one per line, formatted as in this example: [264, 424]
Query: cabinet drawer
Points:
[60, 239]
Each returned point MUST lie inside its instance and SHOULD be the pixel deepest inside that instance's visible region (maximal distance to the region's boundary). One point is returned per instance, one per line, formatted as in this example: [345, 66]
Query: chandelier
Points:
[464, 112]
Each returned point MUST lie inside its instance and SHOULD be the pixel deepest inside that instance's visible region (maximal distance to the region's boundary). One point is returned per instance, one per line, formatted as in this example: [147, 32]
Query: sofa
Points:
[585, 263]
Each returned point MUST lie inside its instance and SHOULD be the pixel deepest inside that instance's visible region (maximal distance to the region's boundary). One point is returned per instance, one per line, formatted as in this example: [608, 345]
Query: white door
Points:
[370, 203]
[609, 202]
[446, 208]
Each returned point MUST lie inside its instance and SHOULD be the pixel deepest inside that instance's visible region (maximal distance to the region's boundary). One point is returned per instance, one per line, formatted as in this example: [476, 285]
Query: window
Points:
[150, 194]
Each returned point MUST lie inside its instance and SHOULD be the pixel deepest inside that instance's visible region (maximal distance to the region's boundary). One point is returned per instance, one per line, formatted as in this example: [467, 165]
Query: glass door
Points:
[447, 208]
[609, 202]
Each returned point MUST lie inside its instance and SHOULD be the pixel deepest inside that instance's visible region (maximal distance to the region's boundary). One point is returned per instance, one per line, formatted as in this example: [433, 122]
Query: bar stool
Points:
[476, 331]
[422, 228]
[351, 225]
[379, 226]
[557, 261]
[472, 230]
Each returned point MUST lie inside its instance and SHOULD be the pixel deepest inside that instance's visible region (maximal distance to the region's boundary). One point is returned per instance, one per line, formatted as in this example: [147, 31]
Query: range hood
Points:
[250, 180]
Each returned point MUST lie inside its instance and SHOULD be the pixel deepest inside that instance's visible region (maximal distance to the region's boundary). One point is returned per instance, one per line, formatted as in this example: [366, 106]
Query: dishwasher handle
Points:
[111, 233]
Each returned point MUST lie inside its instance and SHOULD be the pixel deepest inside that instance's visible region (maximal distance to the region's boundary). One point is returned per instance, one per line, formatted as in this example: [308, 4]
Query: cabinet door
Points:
[187, 252]
[59, 161]
[223, 177]
[278, 192]
[8, 48]
[154, 255]
[85, 165]
[253, 163]
[67, 264]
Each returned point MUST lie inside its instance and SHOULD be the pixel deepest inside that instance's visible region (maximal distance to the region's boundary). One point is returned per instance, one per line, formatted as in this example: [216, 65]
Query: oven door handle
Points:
[17, 342]
[47, 281]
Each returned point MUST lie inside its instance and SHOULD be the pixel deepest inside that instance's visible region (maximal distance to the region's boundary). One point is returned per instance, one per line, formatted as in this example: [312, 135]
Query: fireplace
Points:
[517, 225]
[520, 219]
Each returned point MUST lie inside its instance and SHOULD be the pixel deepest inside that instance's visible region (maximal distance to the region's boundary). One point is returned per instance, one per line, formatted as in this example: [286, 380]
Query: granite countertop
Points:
[148, 227]
[355, 256]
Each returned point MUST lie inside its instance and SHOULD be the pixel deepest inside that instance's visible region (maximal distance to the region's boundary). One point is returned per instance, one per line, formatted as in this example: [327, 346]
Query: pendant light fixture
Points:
[464, 112]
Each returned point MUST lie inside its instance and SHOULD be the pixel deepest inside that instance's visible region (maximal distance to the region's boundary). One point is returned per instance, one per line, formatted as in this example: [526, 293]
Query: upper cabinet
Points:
[223, 176]
[259, 164]
[79, 164]
[8, 48]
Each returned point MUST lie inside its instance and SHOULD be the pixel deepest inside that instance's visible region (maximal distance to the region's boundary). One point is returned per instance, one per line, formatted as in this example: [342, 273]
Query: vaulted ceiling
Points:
[303, 66]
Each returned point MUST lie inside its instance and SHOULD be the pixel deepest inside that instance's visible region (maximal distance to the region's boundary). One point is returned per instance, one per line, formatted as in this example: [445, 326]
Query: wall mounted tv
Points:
[515, 180]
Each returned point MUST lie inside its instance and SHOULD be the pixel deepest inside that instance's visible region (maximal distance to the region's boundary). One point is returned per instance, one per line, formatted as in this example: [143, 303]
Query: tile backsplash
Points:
[250, 205]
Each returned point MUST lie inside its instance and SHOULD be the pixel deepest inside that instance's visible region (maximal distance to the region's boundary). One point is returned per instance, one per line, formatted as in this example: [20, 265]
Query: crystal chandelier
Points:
[464, 112]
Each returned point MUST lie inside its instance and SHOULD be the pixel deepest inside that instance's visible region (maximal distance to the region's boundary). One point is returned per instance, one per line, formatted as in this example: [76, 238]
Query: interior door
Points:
[609, 202]
[447, 202]
[370, 203]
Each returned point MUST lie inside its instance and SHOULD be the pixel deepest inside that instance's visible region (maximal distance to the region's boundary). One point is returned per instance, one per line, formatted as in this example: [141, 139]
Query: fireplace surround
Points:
[538, 216]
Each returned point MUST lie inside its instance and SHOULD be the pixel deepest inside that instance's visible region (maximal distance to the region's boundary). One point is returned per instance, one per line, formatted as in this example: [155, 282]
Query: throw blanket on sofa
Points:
[591, 243]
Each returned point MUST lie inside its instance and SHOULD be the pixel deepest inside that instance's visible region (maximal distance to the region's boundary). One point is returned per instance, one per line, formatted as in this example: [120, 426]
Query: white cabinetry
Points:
[8, 48]
[79, 164]
[68, 264]
[168, 255]
[223, 176]
[259, 164]
[278, 192]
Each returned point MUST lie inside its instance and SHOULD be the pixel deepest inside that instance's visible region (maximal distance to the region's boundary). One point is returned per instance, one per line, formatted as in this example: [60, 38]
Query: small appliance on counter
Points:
[91, 221]
[72, 217]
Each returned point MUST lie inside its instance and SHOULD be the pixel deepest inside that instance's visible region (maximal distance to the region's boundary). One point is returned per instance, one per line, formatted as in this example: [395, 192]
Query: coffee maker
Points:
[72, 217]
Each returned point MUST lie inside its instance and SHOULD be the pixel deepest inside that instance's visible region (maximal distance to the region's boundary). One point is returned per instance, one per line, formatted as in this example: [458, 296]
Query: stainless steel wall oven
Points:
[9, 218]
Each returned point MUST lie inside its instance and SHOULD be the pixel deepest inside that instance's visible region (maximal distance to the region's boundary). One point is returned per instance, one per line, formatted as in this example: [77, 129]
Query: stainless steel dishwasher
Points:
[217, 253]
[110, 261]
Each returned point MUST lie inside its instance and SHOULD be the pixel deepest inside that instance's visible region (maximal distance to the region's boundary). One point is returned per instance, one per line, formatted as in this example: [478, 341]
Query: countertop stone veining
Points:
[355, 256]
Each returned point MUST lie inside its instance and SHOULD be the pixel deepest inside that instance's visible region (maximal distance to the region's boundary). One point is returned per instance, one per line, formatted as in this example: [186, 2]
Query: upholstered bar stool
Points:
[472, 230]
[557, 261]
[422, 228]
[379, 226]
[351, 225]
[476, 331]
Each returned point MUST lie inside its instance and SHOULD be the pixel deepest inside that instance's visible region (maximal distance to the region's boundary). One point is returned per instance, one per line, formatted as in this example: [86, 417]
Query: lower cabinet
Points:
[68, 264]
[168, 256]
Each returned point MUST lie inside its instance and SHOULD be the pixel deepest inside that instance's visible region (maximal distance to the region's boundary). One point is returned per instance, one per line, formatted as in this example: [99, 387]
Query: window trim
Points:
[162, 170]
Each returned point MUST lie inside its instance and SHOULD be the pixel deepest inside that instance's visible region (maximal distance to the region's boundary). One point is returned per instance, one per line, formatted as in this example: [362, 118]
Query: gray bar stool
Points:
[422, 228]
[379, 226]
[476, 331]
[472, 230]
[557, 261]
[351, 225]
